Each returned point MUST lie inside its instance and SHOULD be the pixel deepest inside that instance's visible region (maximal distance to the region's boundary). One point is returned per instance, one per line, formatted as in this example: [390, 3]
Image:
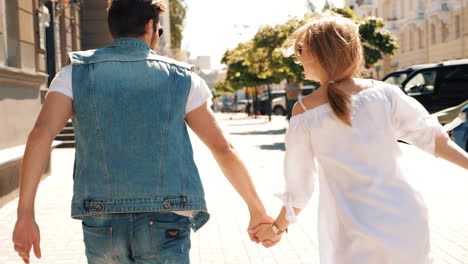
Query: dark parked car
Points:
[439, 87]
[399, 76]
[262, 104]
[278, 101]
[460, 133]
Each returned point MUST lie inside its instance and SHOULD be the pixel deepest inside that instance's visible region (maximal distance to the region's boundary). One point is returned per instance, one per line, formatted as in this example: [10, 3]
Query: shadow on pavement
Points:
[267, 132]
[275, 146]
[250, 123]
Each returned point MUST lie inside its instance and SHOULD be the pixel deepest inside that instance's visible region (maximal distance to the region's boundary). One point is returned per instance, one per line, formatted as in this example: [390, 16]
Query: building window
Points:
[421, 38]
[12, 44]
[411, 41]
[433, 34]
[458, 27]
[445, 32]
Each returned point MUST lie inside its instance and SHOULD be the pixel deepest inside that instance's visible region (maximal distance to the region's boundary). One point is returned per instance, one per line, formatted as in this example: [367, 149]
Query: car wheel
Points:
[279, 111]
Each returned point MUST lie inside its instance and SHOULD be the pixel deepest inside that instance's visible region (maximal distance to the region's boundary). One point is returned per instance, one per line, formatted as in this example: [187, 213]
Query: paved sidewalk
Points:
[224, 238]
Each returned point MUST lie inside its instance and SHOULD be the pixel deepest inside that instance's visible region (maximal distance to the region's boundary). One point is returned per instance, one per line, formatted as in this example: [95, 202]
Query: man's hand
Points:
[255, 222]
[264, 233]
[55, 112]
[26, 235]
[203, 122]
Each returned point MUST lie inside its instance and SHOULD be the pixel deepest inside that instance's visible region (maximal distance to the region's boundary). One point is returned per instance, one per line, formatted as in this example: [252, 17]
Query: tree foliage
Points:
[177, 13]
[376, 41]
[238, 75]
[262, 61]
[346, 12]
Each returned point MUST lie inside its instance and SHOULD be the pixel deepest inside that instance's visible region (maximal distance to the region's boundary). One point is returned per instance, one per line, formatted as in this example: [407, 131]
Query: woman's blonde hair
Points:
[334, 42]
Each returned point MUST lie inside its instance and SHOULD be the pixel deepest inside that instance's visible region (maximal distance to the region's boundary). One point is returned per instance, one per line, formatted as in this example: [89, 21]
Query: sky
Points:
[213, 26]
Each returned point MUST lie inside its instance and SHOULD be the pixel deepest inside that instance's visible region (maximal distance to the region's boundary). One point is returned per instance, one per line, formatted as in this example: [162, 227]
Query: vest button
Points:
[99, 207]
[166, 204]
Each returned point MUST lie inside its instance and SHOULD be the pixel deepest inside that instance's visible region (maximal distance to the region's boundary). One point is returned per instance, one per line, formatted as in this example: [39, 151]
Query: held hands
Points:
[266, 235]
[269, 233]
[262, 222]
[257, 220]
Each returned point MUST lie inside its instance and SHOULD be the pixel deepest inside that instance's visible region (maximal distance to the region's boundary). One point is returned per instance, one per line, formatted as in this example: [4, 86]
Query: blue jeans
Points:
[140, 238]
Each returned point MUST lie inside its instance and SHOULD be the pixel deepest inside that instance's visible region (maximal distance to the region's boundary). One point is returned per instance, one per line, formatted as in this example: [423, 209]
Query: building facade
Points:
[35, 36]
[428, 31]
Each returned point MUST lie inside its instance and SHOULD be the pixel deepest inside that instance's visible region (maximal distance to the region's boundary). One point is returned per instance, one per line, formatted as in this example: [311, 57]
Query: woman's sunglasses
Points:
[299, 50]
[160, 32]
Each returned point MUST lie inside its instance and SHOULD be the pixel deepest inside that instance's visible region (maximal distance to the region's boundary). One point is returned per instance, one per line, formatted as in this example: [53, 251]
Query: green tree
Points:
[262, 61]
[177, 13]
[376, 42]
[223, 87]
[237, 61]
[347, 12]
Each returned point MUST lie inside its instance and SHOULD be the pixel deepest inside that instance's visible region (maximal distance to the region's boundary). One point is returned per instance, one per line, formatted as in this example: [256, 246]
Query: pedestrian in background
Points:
[345, 133]
[136, 186]
[293, 91]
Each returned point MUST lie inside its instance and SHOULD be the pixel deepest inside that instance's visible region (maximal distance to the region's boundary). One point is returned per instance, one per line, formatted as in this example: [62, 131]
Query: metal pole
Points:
[255, 103]
[269, 102]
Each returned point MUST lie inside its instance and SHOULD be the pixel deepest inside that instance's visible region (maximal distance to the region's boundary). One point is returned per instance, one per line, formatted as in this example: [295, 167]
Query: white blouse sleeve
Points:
[411, 121]
[299, 168]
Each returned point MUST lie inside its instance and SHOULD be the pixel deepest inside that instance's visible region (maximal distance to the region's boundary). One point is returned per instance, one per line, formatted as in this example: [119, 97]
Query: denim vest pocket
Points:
[98, 243]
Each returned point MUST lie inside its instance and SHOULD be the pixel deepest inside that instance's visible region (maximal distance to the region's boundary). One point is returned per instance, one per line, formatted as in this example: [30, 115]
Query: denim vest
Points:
[133, 151]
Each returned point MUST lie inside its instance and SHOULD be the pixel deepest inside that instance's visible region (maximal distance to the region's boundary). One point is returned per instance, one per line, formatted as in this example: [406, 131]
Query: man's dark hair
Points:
[127, 18]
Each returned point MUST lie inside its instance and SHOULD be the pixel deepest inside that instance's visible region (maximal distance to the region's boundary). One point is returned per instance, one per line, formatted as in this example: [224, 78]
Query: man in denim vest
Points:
[136, 186]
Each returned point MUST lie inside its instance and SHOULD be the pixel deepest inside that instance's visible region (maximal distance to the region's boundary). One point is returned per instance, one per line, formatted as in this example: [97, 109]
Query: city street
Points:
[224, 239]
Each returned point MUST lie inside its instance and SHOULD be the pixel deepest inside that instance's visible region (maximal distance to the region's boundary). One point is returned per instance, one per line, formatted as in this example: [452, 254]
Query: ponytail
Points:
[339, 102]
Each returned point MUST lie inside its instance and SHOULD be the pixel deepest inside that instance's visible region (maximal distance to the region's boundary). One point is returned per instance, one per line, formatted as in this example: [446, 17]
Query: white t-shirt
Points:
[198, 95]
[199, 91]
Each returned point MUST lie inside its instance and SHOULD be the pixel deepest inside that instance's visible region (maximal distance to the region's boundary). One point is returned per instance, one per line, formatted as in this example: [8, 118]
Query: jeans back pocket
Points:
[98, 244]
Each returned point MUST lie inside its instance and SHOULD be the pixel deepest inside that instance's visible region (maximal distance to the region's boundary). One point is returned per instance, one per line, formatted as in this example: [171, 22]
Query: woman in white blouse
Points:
[346, 133]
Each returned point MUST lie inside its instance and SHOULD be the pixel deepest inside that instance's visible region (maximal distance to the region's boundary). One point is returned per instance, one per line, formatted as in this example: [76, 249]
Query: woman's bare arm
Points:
[448, 150]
